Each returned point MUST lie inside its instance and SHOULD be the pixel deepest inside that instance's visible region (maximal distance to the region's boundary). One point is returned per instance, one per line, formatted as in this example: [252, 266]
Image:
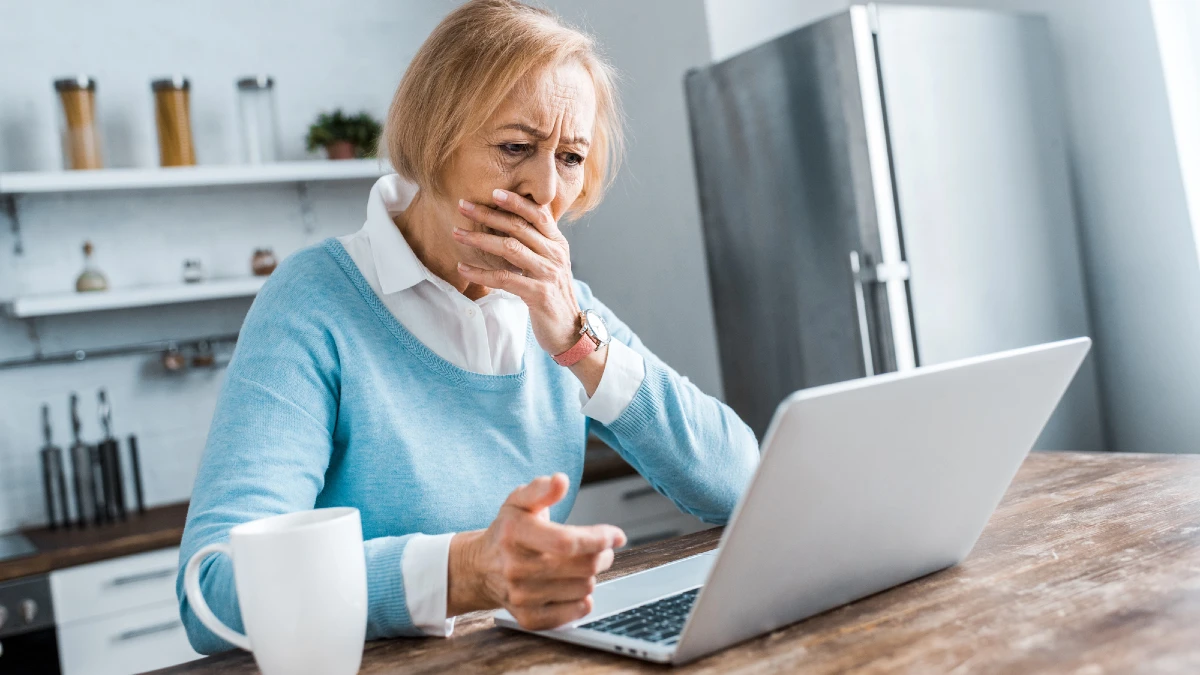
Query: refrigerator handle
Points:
[860, 304]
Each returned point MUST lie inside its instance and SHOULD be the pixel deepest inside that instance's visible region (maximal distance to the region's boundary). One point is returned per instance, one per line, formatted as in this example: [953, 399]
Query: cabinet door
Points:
[130, 642]
[113, 586]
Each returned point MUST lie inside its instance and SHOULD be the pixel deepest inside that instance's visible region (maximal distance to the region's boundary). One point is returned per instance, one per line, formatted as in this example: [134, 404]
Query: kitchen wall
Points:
[736, 25]
[1137, 236]
[641, 251]
[1177, 24]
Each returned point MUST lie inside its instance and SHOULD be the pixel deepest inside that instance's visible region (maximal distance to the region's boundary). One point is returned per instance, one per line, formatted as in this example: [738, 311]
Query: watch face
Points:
[596, 326]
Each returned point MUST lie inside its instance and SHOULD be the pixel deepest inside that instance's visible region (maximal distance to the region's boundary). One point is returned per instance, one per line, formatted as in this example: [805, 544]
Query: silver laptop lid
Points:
[867, 484]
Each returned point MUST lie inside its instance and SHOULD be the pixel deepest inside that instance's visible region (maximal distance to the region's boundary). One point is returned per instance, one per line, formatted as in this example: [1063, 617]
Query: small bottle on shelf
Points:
[263, 262]
[91, 278]
[193, 271]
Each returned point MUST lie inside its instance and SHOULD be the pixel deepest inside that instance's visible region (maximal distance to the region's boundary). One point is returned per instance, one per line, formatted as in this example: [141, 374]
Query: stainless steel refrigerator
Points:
[884, 189]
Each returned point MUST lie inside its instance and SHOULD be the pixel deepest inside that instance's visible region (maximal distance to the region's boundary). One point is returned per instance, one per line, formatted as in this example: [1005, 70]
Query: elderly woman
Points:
[423, 367]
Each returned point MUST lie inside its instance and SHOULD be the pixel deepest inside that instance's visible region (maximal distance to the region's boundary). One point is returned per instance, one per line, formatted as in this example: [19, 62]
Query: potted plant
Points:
[344, 136]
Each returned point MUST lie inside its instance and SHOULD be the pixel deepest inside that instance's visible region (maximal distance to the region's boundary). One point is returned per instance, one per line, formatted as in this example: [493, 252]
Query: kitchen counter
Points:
[162, 527]
[1090, 564]
[159, 527]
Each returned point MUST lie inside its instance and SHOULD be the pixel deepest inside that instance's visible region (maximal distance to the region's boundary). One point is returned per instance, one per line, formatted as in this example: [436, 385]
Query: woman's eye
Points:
[572, 159]
[515, 149]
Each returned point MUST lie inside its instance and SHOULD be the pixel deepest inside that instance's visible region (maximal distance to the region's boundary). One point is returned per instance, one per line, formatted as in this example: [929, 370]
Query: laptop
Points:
[861, 486]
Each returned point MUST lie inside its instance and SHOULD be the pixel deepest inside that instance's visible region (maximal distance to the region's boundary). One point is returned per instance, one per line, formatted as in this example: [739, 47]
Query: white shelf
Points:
[26, 182]
[122, 298]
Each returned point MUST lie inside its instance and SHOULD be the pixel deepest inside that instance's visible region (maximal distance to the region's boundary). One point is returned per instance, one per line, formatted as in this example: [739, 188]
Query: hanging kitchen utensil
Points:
[48, 489]
[110, 452]
[53, 478]
[81, 468]
[135, 466]
[99, 505]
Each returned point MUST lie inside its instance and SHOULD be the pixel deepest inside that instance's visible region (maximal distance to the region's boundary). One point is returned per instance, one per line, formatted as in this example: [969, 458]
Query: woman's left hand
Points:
[540, 252]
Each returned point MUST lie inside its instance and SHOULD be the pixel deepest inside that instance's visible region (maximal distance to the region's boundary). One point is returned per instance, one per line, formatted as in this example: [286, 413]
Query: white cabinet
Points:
[132, 641]
[119, 616]
[113, 586]
[634, 506]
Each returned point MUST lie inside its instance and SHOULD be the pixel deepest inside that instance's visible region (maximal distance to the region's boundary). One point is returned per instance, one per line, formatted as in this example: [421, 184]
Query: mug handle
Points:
[191, 583]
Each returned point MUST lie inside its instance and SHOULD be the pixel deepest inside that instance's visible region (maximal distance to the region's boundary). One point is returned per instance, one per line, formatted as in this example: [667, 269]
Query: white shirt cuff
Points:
[425, 570]
[624, 370]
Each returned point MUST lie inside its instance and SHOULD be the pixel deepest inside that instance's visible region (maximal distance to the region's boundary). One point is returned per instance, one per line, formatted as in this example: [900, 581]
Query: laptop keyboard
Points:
[660, 621]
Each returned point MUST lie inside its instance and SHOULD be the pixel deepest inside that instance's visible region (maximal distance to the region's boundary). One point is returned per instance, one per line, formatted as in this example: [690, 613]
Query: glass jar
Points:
[173, 117]
[80, 133]
[259, 119]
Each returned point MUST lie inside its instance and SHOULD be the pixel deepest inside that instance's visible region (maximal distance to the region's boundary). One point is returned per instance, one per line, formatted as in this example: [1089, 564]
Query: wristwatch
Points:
[593, 335]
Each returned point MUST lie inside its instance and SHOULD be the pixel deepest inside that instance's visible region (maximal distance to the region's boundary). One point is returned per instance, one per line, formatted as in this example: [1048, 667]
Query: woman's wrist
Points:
[590, 370]
[464, 593]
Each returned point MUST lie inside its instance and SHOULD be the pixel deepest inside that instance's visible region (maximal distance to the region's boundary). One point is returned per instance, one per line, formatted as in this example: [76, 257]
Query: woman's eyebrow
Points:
[543, 135]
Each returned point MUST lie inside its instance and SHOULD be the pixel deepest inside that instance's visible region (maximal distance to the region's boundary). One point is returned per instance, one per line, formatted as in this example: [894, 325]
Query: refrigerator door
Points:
[983, 193]
[787, 200]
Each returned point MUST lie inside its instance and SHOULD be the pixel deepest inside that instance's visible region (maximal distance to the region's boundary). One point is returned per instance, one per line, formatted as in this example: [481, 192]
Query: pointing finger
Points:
[540, 493]
[569, 541]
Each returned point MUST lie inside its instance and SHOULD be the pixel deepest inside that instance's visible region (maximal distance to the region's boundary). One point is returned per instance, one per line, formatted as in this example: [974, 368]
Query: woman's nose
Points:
[540, 179]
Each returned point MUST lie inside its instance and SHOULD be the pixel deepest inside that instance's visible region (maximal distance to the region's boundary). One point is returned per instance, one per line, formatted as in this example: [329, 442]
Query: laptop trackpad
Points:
[635, 589]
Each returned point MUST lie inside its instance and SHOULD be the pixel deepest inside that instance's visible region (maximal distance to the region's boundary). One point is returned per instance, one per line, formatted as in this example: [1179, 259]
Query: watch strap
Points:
[579, 352]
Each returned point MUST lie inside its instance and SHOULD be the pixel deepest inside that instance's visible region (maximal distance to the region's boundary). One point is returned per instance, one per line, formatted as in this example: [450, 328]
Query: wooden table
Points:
[1091, 565]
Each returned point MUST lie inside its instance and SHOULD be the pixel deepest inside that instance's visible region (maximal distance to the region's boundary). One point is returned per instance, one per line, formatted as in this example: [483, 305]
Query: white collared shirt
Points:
[485, 336]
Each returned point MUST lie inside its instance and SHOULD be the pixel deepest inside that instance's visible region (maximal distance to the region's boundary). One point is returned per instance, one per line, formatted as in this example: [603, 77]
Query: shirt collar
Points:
[396, 265]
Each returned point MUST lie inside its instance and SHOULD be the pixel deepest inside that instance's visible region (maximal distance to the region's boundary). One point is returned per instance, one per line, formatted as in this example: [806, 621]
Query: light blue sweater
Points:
[329, 401]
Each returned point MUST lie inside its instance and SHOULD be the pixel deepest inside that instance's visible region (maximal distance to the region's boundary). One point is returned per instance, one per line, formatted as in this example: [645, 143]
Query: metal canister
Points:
[172, 114]
[80, 131]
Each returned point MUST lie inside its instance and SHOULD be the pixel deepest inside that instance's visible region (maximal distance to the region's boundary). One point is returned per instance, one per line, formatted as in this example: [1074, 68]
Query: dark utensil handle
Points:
[136, 467]
[60, 476]
[81, 470]
[107, 455]
[48, 486]
[112, 453]
[99, 494]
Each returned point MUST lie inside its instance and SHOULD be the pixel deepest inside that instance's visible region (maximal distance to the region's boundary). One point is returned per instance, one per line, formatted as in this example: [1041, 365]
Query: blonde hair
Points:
[463, 72]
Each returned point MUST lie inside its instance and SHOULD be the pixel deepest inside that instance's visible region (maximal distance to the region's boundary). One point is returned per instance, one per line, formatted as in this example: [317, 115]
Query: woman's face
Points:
[533, 145]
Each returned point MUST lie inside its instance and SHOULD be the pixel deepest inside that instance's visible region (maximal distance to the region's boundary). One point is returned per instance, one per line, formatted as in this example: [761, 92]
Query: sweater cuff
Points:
[624, 370]
[647, 403]
[387, 605]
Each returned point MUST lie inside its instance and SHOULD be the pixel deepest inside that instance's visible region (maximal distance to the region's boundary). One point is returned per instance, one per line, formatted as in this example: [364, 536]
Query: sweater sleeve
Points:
[691, 447]
[268, 448]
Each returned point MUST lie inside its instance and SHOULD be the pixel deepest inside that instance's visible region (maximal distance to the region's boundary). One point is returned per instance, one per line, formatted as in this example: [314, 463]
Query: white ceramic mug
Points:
[301, 582]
